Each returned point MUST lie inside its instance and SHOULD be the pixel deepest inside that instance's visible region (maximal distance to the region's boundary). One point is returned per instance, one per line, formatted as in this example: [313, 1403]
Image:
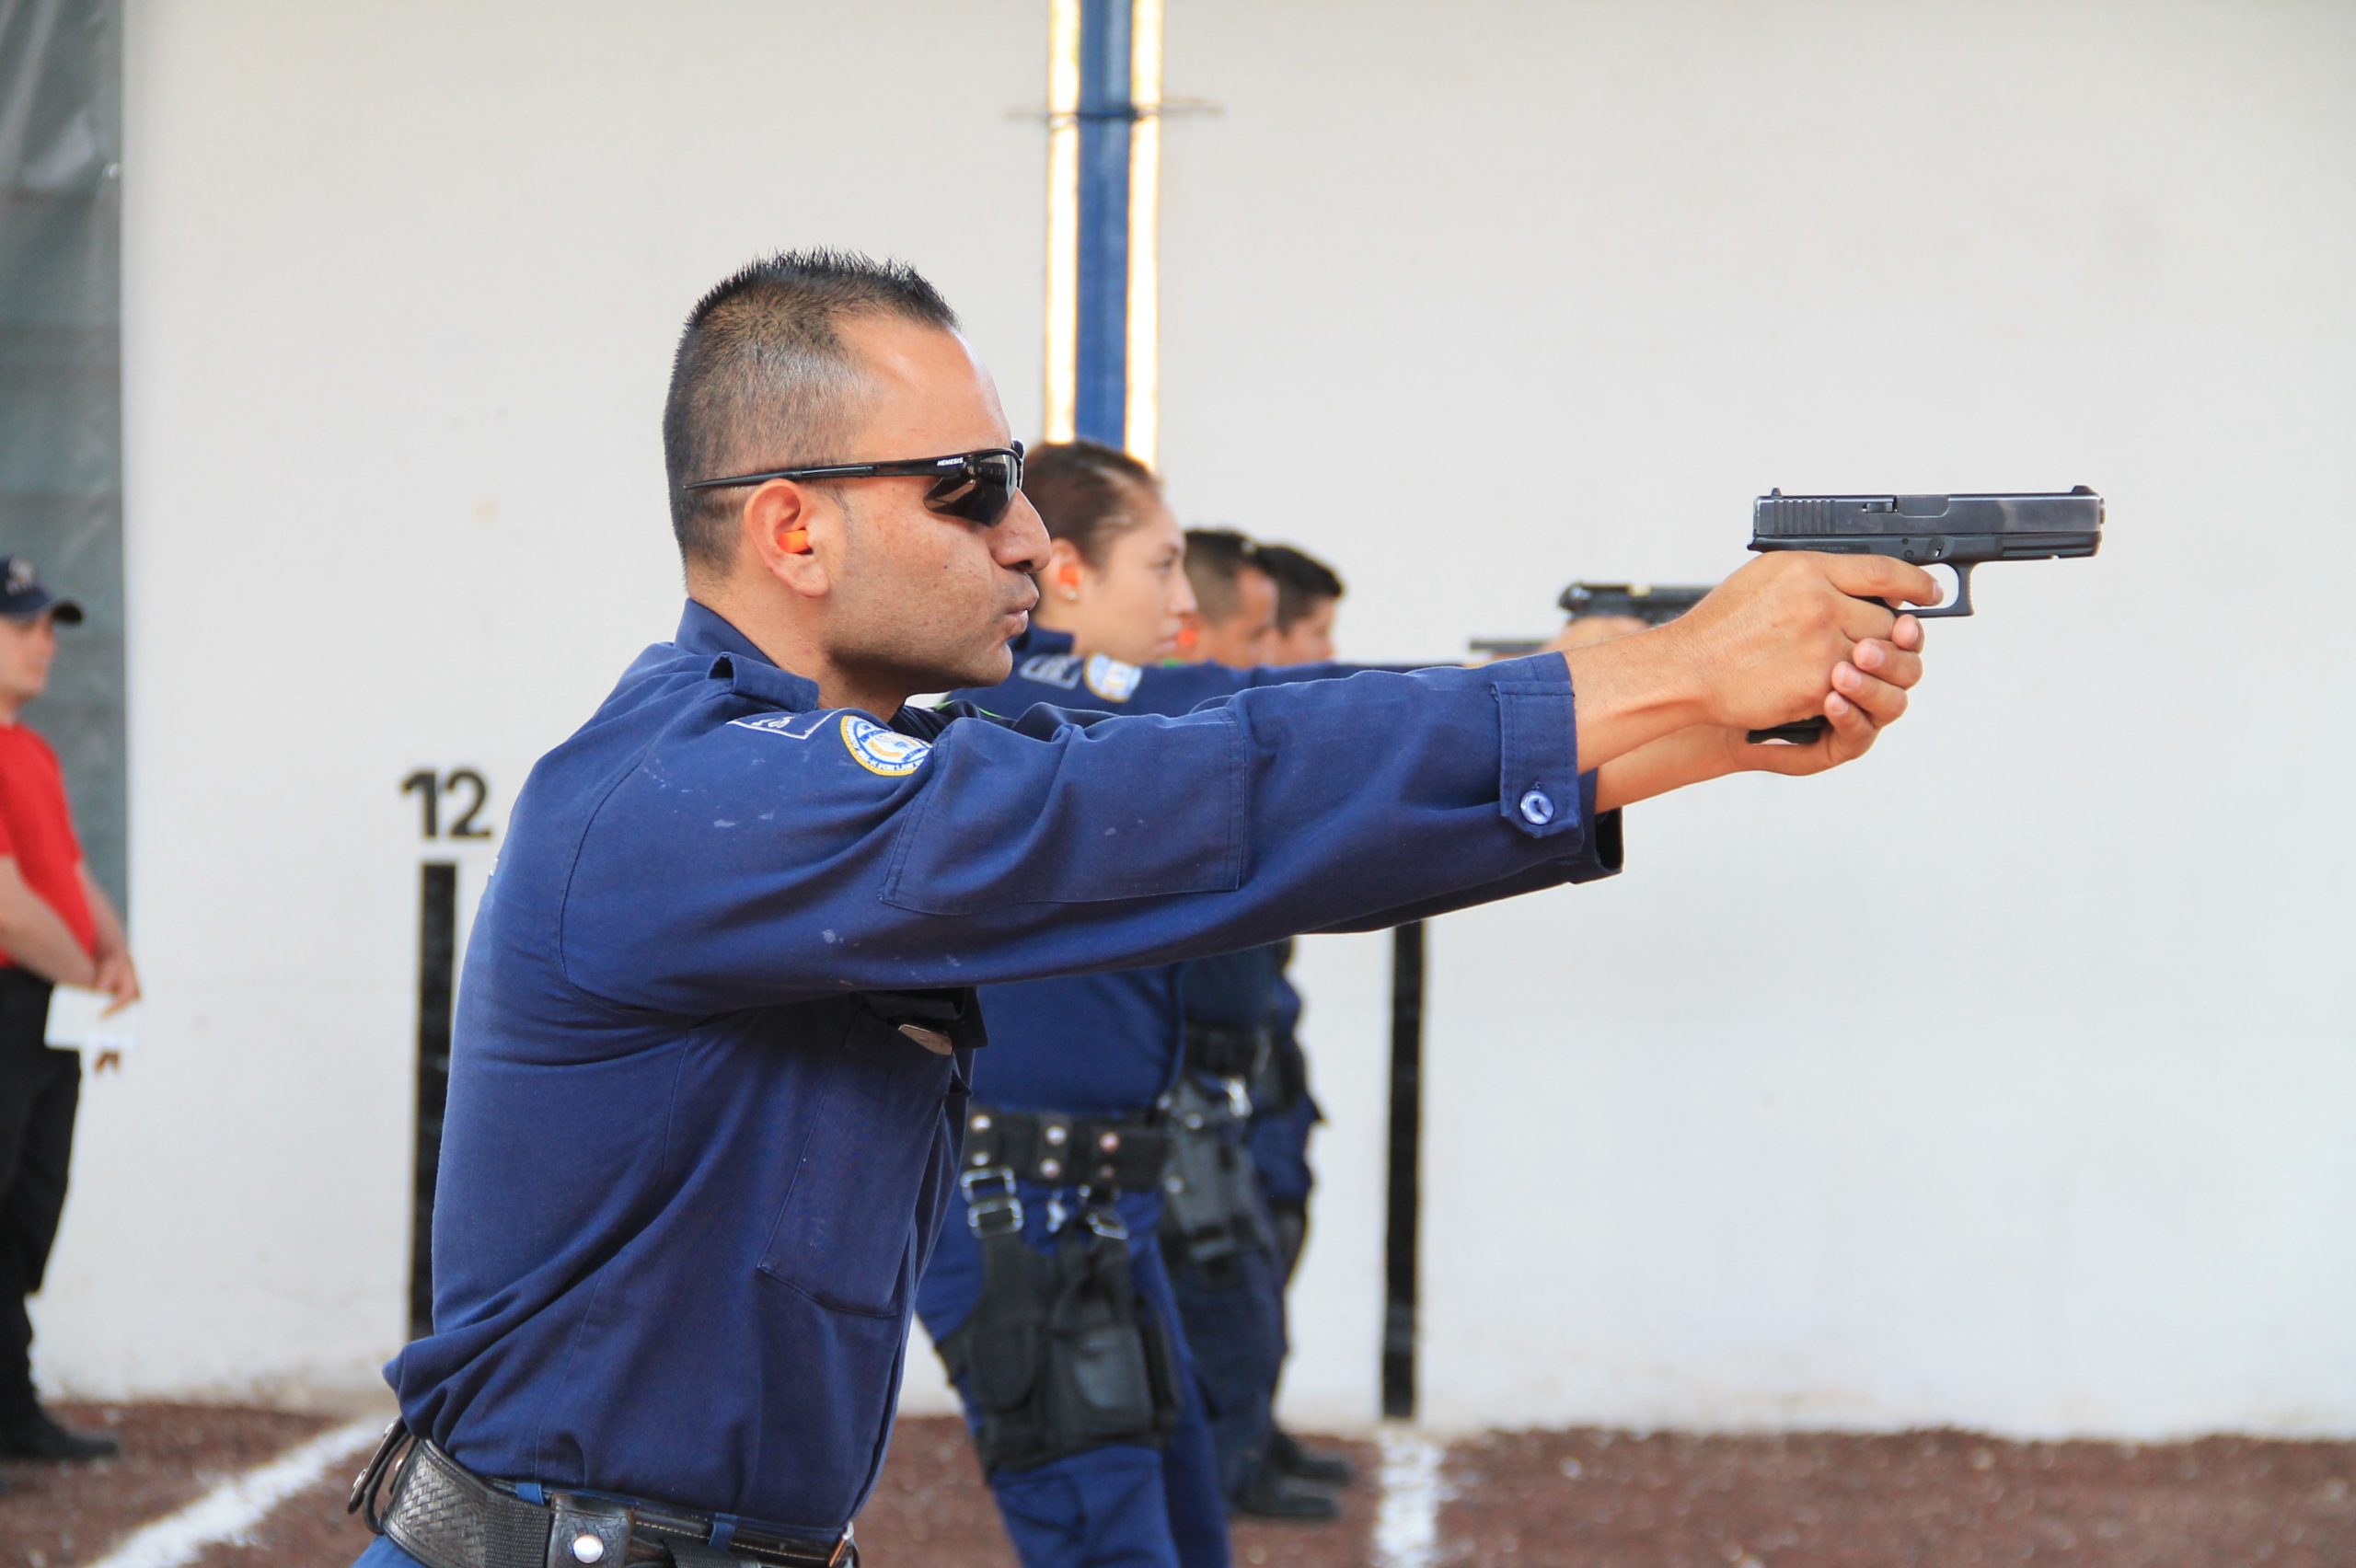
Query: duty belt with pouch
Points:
[1059, 1354]
[447, 1516]
[1211, 1209]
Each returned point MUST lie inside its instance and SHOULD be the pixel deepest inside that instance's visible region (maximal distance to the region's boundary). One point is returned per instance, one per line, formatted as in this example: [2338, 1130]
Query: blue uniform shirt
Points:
[1135, 1014]
[692, 1166]
[1109, 1044]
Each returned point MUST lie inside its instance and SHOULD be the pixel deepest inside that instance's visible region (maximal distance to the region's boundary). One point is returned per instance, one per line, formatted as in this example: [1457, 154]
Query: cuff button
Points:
[1537, 808]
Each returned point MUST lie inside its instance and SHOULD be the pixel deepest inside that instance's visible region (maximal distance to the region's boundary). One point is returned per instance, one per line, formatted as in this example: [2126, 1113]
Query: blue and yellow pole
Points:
[1104, 201]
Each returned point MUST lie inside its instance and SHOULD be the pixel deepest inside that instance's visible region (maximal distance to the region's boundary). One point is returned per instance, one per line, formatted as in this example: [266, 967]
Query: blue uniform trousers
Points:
[1127, 1505]
[1280, 1153]
[1234, 1321]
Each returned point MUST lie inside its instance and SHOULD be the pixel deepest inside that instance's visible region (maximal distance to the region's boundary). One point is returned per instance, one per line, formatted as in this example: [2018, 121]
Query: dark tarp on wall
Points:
[60, 381]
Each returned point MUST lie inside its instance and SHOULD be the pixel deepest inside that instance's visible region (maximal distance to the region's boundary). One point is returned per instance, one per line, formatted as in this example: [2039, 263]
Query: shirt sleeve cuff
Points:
[1539, 787]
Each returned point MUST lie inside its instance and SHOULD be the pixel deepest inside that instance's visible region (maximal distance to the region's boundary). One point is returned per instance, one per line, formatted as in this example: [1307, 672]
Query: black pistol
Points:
[1956, 531]
[1652, 605]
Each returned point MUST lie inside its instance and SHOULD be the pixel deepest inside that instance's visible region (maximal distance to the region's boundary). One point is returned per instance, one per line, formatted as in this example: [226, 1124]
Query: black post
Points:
[1399, 1265]
[437, 951]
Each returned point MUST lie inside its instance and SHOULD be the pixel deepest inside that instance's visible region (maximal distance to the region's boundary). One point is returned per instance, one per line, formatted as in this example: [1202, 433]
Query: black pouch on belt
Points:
[1100, 1389]
[1059, 1353]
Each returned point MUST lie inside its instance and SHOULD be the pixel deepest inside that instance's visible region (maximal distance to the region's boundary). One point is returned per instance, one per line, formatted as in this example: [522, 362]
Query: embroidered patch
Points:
[1052, 669]
[879, 750]
[1111, 679]
[794, 726]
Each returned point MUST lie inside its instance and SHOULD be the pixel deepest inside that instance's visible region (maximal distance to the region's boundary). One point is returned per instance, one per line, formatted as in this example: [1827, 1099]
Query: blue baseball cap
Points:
[22, 596]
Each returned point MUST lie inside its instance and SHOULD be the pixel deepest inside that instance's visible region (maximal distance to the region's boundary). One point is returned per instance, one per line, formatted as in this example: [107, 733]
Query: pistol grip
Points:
[1799, 731]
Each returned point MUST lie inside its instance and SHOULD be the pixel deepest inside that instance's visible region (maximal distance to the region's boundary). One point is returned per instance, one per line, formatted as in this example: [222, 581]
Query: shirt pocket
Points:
[847, 1233]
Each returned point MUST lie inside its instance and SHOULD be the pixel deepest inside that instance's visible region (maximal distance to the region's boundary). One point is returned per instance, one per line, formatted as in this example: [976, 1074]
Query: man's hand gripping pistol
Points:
[1956, 531]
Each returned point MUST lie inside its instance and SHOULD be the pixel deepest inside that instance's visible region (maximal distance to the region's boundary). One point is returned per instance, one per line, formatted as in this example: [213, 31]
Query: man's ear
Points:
[777, 522]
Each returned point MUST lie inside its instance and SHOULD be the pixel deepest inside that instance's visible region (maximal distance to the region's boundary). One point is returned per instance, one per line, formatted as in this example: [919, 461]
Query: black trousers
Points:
[38, 1091]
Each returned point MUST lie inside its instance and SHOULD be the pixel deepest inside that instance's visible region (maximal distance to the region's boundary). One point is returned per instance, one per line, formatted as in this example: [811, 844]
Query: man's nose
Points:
[1020, 539]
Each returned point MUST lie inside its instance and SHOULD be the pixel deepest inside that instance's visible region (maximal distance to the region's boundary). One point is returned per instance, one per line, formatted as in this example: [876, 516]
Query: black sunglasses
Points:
[975, 486]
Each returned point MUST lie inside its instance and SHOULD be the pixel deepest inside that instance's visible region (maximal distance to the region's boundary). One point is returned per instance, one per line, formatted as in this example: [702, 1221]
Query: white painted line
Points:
[242, 1501]
[1406, 1524]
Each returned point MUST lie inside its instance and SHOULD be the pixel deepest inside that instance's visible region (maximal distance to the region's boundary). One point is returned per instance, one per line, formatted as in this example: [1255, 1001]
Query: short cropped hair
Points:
[763, 378]
[1303, 581]
[1215, 558]
[1087, 492]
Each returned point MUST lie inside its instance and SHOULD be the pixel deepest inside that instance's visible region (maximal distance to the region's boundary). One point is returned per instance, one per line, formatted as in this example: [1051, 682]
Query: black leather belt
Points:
[1057, 1150]
[446, 1516]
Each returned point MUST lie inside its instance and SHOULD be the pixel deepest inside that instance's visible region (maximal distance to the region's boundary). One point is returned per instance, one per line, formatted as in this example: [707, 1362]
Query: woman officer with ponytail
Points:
[1079, 1383]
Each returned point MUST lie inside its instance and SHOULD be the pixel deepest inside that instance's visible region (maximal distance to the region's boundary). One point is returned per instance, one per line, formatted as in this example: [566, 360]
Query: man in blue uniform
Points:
[1284, 1108]
[717, 1019]
[1234, 621]
[1220, 1236]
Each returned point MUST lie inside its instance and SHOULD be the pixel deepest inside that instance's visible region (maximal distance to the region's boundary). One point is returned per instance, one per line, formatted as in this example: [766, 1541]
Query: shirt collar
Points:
[734, 659]
[1041, 639]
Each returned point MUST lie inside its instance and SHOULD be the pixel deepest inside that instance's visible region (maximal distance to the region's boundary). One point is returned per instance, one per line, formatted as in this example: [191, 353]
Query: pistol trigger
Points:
[1960, 605]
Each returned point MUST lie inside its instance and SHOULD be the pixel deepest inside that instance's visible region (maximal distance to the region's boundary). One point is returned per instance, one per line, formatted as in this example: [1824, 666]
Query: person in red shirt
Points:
[56, 928]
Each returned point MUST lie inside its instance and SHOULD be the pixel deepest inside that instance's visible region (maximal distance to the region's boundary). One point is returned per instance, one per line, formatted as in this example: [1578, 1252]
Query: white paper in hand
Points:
[74, 1023]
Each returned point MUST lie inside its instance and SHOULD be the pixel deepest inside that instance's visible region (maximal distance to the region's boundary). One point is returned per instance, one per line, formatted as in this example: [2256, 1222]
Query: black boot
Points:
[1286, 1455]
[34, 1436]
[1270, 1494]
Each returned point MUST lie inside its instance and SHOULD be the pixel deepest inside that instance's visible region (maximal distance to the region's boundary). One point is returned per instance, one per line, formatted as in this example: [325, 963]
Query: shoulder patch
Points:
[1052, 669]
[1111, 679]
[794, 726]
[879, 750]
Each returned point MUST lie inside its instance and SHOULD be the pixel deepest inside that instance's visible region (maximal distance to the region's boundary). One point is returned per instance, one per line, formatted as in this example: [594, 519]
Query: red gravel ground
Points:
[930, 1510]
[1601, 1499]
[1581, 1499]
[63, 1516]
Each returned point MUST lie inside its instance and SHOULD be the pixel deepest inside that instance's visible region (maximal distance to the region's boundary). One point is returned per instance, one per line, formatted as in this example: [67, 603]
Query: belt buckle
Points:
[991, 1213]
[372, 1476]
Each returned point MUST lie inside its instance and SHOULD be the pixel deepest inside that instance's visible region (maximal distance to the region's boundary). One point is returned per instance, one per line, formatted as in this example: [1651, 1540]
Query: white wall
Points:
[2005, 1080]
[402, 288]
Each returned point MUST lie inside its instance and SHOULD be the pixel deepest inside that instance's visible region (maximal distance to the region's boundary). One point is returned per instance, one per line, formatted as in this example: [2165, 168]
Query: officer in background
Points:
[1234, 617]
[1166, 1237]
[1308, 595]
[1221, 1239]
[710, 1072]
[1283, 1109]
[57, 928]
